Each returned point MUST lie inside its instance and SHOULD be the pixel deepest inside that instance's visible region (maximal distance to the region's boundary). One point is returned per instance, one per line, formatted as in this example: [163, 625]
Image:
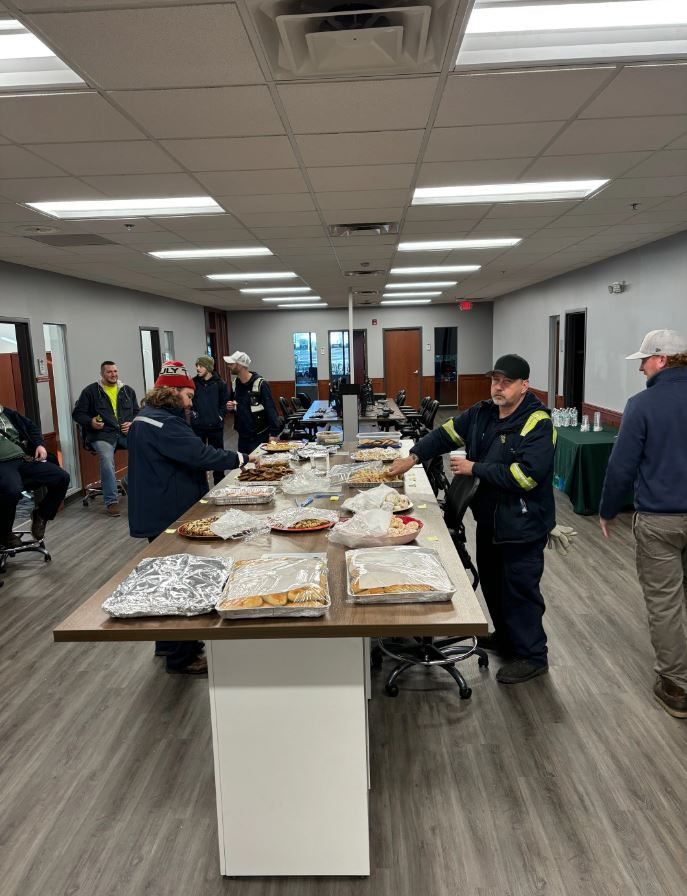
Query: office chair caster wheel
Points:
[483, 662]
[84, 501]
[48, 558]
[391, 690]
[376, 658]
[465, 693]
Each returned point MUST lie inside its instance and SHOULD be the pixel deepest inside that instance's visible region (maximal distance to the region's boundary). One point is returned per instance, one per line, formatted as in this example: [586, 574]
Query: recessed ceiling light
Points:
[267, 275]
[438, 269]
[317, 305]
[576, 16]
[520, 192]
[293, 299]
[423, 285]
[257, 290]
[438, 245]
[234, 252]
[402, 295]
[25, 61]
[406, 302]
[128, 208]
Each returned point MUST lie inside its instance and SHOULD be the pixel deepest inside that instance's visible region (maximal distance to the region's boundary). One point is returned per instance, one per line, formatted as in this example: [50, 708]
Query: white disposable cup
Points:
[459, 453]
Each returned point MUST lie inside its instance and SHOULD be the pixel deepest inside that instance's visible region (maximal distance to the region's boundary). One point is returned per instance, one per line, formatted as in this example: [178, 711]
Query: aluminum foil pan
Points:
[177, 585]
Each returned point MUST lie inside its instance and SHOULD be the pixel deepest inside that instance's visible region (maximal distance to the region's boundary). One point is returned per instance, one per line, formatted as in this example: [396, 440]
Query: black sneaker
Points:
[671, 697]
[10, 540]
[519, 670]
[493, 643]
[38, 525]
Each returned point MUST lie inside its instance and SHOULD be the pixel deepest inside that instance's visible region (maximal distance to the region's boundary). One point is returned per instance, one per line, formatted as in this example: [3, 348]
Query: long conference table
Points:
[288, 697]
[320, 413]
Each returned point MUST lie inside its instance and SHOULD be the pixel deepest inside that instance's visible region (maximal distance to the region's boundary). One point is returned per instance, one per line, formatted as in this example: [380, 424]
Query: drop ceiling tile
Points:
[277, 233]
[121, 157]
[600, 219]
[498, 141]
[500, 98]
[494, 171]
[671, 163]
[17, 162]
[246, 183]
[431, 230]
[195, 223]
[639, 187]
[129, 186]
[280, 219]
[361, 215]
[202, 112]
[618, 135]
[343, 199]
[381, 147]
[63, 117]
[273, 202]
[371, 105]
[45, 189]
[591, 167]
[450, 213]
[642, 90]
[554, 209]
[187, 46]
[233, 153]
[361, 177]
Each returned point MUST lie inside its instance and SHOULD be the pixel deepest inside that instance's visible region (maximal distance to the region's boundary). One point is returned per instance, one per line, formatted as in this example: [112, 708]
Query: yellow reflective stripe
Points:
[523, 481]
[532, 421]
[451, 430]
[555, 435]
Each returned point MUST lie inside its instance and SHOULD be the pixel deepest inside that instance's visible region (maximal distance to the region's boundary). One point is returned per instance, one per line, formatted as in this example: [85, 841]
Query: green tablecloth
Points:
[579, 465]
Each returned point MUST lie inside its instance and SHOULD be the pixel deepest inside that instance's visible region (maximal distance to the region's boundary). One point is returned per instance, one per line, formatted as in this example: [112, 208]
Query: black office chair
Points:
[304, 399]
[93, 490]
[296, 406]
[292, 423]
[419, 425]
[400, 397]
[23, 530]
[443, 652]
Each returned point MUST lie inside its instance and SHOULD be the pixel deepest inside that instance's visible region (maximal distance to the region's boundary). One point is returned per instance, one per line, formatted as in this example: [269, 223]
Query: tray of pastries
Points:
[278, 459]
[397, 503]
[364, 444]
[384, 454]
[198, 528]
[263, 474]
[386, 575]
[259, 494]
[370, 478]
[276, 447]
[276, 585]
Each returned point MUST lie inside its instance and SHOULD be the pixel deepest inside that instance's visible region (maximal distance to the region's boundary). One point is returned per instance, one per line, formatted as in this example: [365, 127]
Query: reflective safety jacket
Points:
[513, 459]
[255, 412]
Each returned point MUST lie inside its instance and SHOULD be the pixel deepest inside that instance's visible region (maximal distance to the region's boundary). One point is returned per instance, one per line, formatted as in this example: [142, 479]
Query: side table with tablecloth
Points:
[580, 465]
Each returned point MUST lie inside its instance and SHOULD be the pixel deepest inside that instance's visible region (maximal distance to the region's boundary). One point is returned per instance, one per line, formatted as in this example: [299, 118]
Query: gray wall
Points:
[267, 335]
[102, 323]
[656, 297]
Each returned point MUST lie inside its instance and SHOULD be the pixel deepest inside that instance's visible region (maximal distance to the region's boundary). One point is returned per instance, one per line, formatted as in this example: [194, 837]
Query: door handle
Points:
[416, 371]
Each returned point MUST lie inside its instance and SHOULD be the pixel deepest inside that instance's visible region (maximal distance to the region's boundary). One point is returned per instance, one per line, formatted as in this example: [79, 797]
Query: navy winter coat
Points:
[94, 401]
[167, 463]
[209, 403]
[27, 429]
[513, 459]
[649, 452]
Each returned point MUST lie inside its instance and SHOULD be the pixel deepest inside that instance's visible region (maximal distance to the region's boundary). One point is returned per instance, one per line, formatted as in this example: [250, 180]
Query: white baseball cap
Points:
[238, 358]
[660, 342]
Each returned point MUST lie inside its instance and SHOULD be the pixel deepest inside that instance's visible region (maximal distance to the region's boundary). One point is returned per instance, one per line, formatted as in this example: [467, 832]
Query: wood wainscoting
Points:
[608, 417]
[287, 388]
[543, 396]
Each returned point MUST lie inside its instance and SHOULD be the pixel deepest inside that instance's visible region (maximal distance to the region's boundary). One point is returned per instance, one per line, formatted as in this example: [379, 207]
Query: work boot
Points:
[112, 510]
[671, 697]
[10, 540]
[518, 671]
[38, 525]
[198, 666]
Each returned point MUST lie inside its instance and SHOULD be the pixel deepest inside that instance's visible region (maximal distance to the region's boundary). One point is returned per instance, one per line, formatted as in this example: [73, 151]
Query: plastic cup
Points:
[459, 453]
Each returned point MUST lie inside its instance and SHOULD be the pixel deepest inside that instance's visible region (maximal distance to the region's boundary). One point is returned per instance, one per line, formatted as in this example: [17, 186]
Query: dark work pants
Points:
[183, 652]
[16, 475]
[215, 439]
[248, 444]
[510, 575]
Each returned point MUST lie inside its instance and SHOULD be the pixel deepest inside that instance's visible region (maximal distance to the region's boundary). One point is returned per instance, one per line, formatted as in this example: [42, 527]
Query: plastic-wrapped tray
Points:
[329, 437]
[364, 483]
[384, 454]
[263, 475]
[309, 569]
[345, 533]
[277, 447]
[385, 565]
[364, 444]
[378, 437]
[256, 495]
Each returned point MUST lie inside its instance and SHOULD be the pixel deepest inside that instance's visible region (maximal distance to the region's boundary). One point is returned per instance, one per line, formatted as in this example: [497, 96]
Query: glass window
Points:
[305, 358]
[168, 346]
[339, 354]
[152, 358]
[55, 336]
[446, 365]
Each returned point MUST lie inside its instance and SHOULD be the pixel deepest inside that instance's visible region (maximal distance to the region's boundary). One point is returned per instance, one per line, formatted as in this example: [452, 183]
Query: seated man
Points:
[104, 412]
[24, 462]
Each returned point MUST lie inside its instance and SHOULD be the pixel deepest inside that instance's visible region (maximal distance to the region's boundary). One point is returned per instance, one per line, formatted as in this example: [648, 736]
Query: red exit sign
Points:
[465, 306]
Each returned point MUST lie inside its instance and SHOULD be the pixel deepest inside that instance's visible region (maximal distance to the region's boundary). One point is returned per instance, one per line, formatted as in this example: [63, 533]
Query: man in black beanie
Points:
[209, 407]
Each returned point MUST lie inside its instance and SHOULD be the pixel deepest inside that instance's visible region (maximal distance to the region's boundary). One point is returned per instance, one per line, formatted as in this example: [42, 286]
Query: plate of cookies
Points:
[276, 585]
[276, 447]
[199, 528]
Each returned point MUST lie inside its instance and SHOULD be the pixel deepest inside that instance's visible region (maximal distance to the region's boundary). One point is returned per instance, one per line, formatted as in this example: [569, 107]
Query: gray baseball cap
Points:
[660, 342]
[238, 358]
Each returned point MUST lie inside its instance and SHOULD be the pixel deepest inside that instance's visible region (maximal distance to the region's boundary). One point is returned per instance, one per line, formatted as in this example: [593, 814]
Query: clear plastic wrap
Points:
[385, 454]
[258, 494]
[396, 575]
[363, 475]
[309, 482]
[237, 523]
[343, 472]
[376, 440]
[295, 517]
[177, 585]
[276, 585]
[369, 499]
[282, 459]
[375, 528]
[311, 450]
[329, 437]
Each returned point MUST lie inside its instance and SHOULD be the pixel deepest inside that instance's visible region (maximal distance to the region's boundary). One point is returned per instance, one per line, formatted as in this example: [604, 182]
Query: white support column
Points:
[351, 353]
[289, 726]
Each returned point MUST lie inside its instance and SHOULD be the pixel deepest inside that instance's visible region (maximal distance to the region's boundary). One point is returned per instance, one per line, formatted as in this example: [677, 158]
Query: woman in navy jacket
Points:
[167, 464]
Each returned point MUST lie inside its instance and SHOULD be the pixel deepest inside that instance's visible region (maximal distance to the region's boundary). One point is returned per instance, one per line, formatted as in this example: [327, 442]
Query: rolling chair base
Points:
[94, 490]
[31, 545]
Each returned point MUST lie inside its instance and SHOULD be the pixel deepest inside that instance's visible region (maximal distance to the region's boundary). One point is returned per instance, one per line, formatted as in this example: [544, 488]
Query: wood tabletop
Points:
[332, 417]
[460, 616]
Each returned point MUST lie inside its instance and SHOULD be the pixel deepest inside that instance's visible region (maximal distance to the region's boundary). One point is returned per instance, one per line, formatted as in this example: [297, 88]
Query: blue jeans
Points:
[108, 479]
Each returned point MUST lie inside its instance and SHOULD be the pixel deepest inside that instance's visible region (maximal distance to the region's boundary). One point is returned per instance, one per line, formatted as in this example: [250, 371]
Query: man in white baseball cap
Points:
[649, 456]
[255, 416]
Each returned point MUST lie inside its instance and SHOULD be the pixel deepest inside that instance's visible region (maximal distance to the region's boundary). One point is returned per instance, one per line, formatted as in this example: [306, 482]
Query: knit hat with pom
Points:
[174, 374]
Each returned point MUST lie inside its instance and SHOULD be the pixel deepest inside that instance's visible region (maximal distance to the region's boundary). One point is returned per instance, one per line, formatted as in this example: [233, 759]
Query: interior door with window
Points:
[305, 363]
[573, 369]
[402, 363]
[61, 441]
[17, 379]
[152, 356]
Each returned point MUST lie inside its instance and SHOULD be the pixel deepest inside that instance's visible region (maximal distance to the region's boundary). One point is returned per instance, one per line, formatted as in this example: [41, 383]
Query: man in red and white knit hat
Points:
[174, 374]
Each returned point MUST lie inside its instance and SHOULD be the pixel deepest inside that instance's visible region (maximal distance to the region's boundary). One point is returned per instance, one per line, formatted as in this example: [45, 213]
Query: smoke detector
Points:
[36, 230]
[311, 39]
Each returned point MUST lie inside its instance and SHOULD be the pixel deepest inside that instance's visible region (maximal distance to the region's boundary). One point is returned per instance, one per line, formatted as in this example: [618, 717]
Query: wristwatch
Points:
[243, 459]
[414, 456]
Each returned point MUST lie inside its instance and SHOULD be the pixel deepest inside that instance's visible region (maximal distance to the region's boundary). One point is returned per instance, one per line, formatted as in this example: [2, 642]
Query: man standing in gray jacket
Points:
[649, 455]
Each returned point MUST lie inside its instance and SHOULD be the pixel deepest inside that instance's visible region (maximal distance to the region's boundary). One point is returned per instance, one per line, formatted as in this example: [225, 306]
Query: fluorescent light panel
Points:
[25, 61]
[294, 299]
[437, 269]
[128, 208]
[448, 245]
[268, 275]
[513, 32]
[234, 252]
[317, 305]
[406, 302]
[426, 285]
[518, 192]
[402, 295]
[257, 290]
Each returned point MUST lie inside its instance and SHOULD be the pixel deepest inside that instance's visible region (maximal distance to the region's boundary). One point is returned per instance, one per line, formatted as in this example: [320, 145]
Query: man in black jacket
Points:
[509, 444]
[24, 461]
[256, 419]
[210, 402]
[104, 412]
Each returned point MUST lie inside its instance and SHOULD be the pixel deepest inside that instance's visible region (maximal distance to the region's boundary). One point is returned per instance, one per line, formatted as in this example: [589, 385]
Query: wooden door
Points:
[403, 363]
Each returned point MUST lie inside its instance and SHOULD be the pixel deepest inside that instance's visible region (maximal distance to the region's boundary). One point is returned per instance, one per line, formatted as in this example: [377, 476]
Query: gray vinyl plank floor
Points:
[573, 784]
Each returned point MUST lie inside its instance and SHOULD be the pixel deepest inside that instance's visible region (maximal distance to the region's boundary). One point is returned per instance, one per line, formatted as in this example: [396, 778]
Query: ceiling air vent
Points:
[364, 227]
[365, 273]
[72, 240]
[306, 38]
[365, 292]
